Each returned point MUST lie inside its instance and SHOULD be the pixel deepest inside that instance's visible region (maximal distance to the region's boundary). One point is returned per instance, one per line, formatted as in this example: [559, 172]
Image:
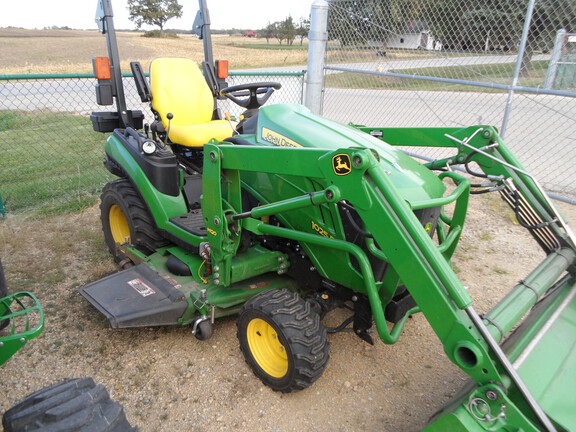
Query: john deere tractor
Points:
[281, 215]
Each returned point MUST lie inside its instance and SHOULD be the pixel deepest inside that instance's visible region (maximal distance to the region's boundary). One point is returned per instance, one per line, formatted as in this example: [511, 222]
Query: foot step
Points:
[192, 222]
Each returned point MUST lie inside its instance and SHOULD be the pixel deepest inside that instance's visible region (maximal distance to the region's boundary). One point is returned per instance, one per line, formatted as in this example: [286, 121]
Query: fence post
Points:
[521, 48]
[554, 59]
[318, 37]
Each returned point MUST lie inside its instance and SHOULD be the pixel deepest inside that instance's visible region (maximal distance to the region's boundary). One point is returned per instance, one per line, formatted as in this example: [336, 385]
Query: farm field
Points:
[70, 51]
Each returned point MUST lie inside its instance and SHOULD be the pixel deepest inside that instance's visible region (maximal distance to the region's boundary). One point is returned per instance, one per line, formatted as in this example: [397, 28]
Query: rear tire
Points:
[125, 218]
[283, 340]
[74, 405]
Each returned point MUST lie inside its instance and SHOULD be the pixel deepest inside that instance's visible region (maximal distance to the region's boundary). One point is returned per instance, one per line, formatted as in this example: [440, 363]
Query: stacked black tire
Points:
[70, 406]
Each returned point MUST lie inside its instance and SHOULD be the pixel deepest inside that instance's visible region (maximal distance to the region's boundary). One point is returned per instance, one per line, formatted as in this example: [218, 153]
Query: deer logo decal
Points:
[341, 164]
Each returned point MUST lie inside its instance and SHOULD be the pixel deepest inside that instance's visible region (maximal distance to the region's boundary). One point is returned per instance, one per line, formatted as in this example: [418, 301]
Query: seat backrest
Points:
[178, 87]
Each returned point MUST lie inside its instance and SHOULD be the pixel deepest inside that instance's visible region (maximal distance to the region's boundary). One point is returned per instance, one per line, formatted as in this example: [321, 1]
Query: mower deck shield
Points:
[137, 297]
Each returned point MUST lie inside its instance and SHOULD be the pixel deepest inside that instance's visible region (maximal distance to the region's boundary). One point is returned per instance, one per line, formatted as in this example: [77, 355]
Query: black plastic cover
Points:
[140, 81]
[137, 297]
[161, 168]
[107, 121]
[104, 94]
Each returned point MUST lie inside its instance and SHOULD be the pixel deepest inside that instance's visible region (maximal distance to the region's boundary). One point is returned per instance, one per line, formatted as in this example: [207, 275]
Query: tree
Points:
[548, 17]
[361, 21]
[268, 32]
[302, 29]
[496, 24]
[153, 12]
[287, 31]
[488, 28]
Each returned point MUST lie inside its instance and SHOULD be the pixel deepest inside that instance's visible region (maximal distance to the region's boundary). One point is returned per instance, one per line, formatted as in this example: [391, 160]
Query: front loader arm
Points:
[500, 170]
[399, 235]
[548, 291]
[470, 341]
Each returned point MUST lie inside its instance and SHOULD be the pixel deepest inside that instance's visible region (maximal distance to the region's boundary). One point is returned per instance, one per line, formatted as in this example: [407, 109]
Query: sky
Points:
[79, 14]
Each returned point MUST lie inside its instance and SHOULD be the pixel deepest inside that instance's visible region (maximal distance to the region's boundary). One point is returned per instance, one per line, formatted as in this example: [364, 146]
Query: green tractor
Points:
[283, 216]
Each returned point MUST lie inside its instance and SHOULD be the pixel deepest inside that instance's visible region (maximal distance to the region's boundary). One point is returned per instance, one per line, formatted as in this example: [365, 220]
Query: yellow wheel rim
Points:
[118, 225]
[266, 348]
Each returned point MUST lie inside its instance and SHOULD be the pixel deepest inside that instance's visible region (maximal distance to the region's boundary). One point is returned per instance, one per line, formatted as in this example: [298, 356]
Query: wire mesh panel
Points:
[457, 62]
[49, 154]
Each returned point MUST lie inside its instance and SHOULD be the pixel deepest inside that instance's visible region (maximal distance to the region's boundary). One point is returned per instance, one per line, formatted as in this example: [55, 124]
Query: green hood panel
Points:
[293, 125]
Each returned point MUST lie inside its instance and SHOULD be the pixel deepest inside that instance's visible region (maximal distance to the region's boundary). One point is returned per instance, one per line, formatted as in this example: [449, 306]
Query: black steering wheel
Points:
[247, 95]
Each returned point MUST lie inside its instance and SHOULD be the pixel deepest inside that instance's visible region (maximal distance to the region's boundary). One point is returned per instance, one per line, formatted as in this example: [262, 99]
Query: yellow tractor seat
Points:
[178, 87]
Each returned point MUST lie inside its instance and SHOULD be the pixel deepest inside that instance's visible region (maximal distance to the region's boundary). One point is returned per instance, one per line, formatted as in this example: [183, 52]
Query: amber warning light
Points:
[101, 68]
[222, 68]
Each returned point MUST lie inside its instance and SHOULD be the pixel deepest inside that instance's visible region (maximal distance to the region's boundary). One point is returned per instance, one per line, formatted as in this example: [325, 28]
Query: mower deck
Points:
[137, 297]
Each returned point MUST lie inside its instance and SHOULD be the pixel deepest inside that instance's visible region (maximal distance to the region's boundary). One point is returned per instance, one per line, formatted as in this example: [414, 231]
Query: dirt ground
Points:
[167, 380]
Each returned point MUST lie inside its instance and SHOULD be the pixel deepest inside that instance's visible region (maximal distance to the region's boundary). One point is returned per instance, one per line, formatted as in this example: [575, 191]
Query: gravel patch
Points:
[167, 380]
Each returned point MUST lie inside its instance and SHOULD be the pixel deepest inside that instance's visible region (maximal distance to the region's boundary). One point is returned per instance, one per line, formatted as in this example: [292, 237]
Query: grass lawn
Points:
[49, 160]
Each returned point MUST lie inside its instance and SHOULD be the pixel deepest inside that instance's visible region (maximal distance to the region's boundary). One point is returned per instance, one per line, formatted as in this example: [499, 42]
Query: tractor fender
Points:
[157, 180]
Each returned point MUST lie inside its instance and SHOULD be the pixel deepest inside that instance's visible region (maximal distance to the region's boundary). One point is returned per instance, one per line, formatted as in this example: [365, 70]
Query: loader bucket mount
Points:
[22, 318]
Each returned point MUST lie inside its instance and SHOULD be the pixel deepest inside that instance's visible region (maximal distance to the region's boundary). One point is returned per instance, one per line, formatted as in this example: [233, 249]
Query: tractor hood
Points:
[293, 125]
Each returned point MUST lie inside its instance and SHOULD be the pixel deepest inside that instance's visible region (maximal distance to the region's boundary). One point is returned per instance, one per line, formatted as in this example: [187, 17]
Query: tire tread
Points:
[303, 330]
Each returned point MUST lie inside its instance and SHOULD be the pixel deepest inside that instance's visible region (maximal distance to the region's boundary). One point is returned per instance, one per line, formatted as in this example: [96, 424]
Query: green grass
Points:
[49, 161]
[500, 73]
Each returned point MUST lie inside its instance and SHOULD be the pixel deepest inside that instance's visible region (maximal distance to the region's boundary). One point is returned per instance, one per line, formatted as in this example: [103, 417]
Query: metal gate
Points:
[454, 62]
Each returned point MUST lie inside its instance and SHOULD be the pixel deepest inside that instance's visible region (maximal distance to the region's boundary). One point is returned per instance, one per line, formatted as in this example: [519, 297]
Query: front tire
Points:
[125, 219]
[283, 340]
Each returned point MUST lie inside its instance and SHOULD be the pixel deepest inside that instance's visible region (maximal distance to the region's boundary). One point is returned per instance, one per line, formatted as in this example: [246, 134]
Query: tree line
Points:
[158, 12]
[285, 31]
[457, 24]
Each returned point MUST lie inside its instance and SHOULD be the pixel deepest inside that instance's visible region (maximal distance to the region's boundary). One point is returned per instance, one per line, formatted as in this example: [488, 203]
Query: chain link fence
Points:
[459, 63]
[49, 155]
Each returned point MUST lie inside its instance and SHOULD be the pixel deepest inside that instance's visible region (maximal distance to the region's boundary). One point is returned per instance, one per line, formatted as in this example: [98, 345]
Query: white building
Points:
[416, 36]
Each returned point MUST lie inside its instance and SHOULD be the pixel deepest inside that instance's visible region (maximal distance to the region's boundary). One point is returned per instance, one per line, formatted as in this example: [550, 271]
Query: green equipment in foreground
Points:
[21, 319]
[285, 215]
[77, 404]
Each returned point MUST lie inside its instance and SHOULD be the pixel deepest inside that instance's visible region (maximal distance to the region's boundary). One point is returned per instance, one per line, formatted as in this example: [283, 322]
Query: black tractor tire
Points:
[3, 293]
[283, 340]
[125, 216]
[74, 405]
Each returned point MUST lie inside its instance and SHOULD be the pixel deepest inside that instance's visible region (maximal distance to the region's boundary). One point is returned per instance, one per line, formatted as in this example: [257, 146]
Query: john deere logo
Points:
[341, 164]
